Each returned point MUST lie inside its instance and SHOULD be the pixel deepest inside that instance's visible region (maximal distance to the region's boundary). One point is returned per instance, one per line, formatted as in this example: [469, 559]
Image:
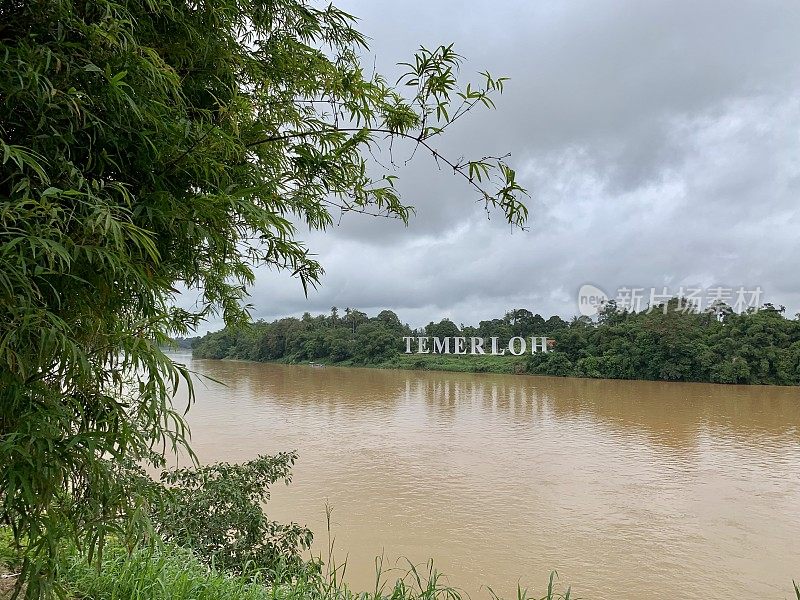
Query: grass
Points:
[462, 363]
[155, 575]
[172, 573]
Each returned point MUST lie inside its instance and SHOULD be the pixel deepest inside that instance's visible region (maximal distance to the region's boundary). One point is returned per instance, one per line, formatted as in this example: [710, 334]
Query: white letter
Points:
[422, 345]
[477, 345]
[494, 347]
[523, 345]
[459, 343]
[408, 344]
[441, 347]
[541, 346]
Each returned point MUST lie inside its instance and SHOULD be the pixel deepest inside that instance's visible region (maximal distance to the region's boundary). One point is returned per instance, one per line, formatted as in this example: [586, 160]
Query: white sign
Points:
[474, 345]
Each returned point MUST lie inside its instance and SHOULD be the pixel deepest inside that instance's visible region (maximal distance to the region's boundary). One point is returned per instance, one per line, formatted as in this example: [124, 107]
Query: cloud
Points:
[660, 141]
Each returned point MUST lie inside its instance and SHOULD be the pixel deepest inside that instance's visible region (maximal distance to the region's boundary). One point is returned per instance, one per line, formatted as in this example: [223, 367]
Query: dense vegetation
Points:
[666, 343]
[157, 145]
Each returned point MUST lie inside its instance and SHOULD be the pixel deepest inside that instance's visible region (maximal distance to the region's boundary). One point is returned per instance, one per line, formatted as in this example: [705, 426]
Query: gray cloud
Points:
[660, 141]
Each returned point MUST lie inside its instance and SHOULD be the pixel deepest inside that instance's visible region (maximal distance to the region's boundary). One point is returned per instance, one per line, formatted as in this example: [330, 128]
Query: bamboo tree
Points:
[157, 144]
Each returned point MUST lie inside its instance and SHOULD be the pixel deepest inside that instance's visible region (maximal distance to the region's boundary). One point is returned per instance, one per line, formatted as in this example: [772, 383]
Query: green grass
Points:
[465, 363]
[172, 573]
[461, 363]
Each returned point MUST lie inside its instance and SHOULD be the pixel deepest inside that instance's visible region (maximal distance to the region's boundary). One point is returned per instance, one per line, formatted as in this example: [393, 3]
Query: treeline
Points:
[666, 343]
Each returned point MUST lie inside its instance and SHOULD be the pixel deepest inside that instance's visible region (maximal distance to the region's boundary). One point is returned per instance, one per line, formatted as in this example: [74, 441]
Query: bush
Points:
[216, 511]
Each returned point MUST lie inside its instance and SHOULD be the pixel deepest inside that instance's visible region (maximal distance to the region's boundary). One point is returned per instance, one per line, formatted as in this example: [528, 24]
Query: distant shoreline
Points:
[451, 367]
[760, 347]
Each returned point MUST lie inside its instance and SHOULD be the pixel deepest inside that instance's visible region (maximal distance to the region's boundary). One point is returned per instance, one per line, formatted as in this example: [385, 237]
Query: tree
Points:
[389, 319]
[677, 343]
[522, 322]
[356, 317]
[442, 329]
[156, 144]
[496, 328]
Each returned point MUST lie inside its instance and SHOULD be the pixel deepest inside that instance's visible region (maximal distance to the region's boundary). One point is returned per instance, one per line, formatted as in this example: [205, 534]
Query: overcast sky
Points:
[660, 141]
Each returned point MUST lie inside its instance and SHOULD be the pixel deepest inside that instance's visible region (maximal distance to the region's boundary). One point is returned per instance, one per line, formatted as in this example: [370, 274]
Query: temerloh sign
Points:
[473, 345]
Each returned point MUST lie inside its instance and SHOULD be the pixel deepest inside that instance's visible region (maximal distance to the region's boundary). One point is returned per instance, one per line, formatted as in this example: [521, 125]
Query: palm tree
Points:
[334, 315]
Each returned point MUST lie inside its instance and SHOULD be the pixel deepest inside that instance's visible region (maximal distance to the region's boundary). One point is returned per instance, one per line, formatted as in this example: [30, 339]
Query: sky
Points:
[659, 141]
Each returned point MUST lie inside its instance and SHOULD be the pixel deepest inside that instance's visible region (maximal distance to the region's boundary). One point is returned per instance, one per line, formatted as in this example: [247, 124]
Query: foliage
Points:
[216, 511]
[171, 573]
[462, 364]
[150, 146]
[666, 343]
[10, 553]
[174, 573]
[184, 343]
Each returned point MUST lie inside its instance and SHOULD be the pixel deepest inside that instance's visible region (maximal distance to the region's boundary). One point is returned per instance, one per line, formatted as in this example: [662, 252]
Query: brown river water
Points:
[629, 490]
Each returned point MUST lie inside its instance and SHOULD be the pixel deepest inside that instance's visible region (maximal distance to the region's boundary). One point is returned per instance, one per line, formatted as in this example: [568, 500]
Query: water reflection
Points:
[629, 489]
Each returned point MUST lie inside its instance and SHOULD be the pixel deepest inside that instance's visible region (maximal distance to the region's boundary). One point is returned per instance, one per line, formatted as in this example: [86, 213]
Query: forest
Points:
[669, 342]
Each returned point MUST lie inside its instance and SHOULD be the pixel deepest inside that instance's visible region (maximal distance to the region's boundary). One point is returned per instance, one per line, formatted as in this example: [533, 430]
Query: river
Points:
[630, 490]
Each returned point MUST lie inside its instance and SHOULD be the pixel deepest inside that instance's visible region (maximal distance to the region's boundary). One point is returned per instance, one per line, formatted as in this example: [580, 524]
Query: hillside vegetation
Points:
[666, 343]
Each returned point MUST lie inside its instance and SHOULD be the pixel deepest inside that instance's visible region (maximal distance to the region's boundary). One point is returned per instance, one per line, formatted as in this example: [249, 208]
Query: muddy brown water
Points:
[629, 490]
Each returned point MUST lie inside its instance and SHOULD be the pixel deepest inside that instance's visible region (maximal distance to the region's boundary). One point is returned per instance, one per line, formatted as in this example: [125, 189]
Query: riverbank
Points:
[758, 348]
[173, 573]
[507, 365]
[501, 365]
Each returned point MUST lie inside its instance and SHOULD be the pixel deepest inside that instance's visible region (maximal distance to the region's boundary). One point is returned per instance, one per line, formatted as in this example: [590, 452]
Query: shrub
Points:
[216, 510]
